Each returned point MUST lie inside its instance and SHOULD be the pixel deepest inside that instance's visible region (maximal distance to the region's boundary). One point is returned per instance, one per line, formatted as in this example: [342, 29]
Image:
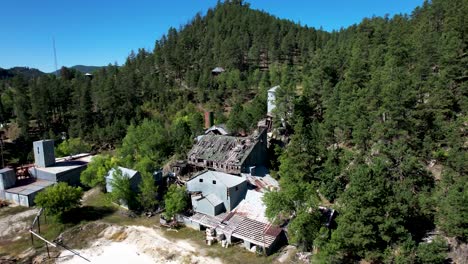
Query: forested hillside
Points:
[376, 114]
[25, 71]
[81, 68]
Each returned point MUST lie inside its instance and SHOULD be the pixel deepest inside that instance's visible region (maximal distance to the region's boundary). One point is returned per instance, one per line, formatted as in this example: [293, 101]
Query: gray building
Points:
[234, 155]
[133, 175]
[216, 192]
[63, 169]
[46, 171]
[47, 167]
[7, 180]
[24, 194]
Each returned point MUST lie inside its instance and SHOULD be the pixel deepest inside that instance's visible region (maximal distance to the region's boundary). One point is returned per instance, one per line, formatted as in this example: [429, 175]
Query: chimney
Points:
[209, 119]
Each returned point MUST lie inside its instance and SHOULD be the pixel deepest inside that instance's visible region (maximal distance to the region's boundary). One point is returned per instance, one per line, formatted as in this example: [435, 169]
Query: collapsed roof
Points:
[222, 149]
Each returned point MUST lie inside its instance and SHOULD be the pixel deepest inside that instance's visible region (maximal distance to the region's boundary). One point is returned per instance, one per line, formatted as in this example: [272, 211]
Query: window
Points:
[214, 182]
[200, 180]
[237, 188]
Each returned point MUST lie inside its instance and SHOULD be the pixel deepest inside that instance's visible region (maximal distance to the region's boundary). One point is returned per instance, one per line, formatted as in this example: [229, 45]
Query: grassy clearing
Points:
[5, 211]
[83, 226]
[82, 236]
[185, 233]
[17, 246]
[19, 242]
[237, 254]
[113, 214]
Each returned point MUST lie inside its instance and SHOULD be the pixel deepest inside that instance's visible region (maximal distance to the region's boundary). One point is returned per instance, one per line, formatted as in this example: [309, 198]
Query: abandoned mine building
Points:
[230, 154]
[21, 185]
[224, 205]
[216, 192]
[49, 168]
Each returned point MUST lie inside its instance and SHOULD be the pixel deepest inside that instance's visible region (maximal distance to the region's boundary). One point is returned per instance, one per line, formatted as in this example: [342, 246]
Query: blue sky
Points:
[102, 31]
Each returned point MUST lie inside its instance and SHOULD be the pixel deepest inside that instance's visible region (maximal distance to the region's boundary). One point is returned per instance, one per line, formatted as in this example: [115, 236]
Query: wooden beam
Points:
[43, 239]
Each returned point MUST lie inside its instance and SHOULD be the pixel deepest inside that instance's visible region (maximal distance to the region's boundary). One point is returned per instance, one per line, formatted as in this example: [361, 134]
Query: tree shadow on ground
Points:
[87, 213]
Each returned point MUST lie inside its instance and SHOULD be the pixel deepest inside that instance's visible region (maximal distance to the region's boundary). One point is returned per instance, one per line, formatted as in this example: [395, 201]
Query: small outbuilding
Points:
[133, 175]
[216, 192]
[217, 71]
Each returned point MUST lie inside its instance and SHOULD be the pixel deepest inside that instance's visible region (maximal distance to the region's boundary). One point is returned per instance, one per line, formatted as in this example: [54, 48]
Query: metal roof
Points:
[67, 163]
[30, 188]
[225, 149]
[208, 220]
[229, 223]
[6, 169]
[126, 172]
[258, 233]
[218, 69]
[213, 199]
[252, 207]
[262, 183]
[227, 179]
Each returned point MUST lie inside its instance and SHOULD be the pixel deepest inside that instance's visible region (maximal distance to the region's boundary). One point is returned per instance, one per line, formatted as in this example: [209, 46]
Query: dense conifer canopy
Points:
[376, 114]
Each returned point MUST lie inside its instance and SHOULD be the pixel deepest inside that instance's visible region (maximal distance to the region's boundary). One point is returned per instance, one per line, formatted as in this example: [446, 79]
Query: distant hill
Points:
[25, 71]
[81, 68]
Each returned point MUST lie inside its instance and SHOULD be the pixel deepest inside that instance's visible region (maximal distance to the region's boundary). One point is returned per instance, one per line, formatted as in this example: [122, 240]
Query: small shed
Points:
[210, 204]
[214, 192]
[133, 175]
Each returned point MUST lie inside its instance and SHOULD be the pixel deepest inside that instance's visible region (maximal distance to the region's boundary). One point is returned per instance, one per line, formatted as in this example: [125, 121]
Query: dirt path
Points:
[13, 224]
[138, 244]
